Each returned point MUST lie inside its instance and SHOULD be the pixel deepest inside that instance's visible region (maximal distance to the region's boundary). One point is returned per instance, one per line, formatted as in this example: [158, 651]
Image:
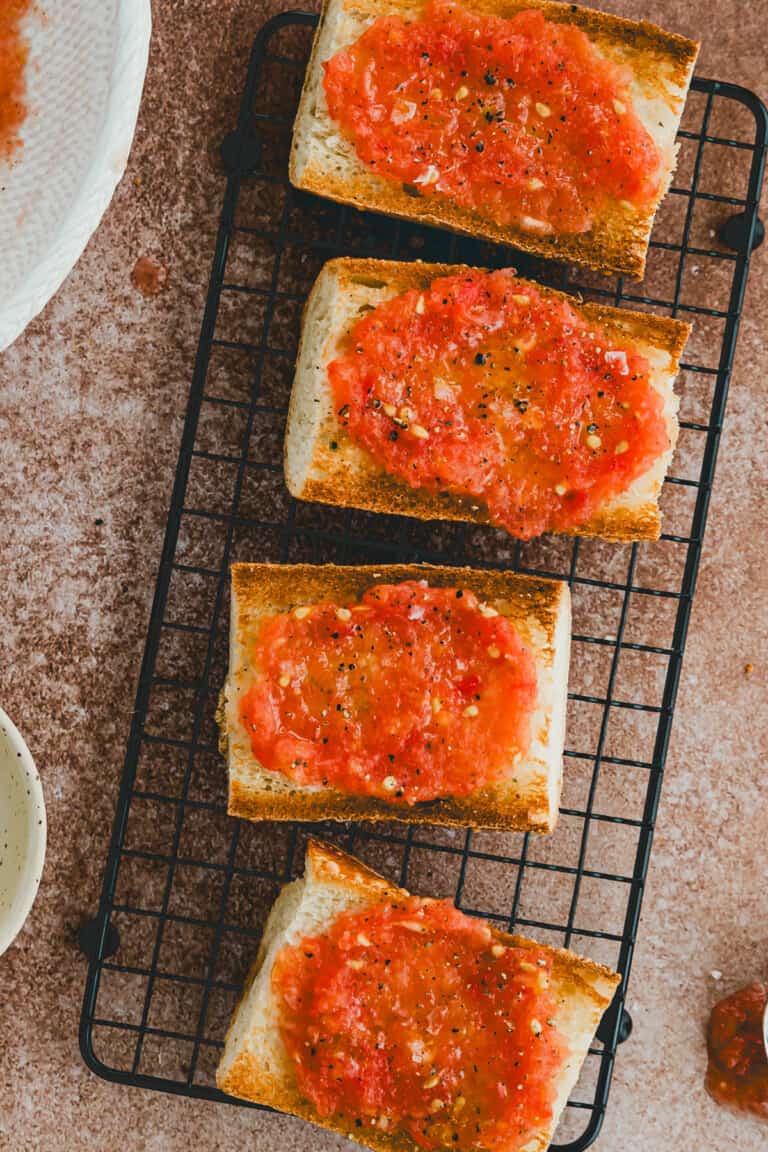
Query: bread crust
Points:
[347, 474]
[526, 798]
[662, 65]
[576, 978]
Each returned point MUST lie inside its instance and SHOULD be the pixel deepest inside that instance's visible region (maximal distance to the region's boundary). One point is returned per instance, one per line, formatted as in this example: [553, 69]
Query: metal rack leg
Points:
[735, 232]
[88, 939]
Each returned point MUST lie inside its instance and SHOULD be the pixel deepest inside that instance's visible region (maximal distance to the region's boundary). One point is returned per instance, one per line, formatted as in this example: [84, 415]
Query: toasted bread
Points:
[323, 161]
[526, 797]
[346, 474]
[255, 1064]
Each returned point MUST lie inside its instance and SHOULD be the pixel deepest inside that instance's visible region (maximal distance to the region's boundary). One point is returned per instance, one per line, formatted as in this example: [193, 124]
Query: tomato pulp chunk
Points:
[411, 694]
[414, 1017]
[485, 386]
[521, 119]
[737, 1072]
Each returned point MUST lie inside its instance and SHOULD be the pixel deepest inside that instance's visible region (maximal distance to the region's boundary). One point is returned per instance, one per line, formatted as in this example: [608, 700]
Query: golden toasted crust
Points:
[574, 976]
[286, 585]
[386, 495]
[480, 810]
[533, 605]
[369, 486]
[618, 241]
[332, 865]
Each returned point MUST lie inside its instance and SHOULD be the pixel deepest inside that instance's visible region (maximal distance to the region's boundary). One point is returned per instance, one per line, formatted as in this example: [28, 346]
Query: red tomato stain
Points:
[411, 694]
[521, 119]
[486, 387]
[149, 277]
[13, 59]
[413, 1018]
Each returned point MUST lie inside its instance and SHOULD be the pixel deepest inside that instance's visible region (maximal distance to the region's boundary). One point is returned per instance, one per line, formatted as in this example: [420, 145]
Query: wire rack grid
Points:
[186, 889]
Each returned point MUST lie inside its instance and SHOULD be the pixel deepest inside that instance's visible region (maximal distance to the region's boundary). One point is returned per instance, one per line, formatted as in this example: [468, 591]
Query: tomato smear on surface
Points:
[521, 118]
[737, 1072]
[485, 387]
[411, 694]
[13, 59]
[412, 1017]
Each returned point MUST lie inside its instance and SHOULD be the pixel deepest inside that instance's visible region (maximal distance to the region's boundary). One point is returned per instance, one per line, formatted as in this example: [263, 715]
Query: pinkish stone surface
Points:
[91, 406]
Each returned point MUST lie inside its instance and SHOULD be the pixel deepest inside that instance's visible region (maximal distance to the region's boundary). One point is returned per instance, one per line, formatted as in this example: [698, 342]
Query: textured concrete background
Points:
[91, 403]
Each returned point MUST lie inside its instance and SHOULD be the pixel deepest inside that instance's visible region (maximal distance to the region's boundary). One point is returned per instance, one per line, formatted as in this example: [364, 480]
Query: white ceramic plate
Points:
[22, 831]
[85, 74]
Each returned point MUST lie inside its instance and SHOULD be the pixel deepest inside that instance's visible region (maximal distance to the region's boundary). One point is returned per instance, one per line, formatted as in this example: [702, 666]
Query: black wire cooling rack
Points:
[186, 888]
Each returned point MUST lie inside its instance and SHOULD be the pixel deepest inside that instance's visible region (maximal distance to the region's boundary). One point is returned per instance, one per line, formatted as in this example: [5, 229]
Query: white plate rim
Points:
[129, 67]
[10, 927]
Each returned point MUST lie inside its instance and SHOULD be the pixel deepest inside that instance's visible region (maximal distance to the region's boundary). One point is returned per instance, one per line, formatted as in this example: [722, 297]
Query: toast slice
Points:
[526, 798]
[324, 464]
[324, 162]
[255, 1064]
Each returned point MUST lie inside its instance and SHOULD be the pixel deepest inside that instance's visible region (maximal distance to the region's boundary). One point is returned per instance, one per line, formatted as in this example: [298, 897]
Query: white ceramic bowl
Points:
[22, 831]
[85, 74]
